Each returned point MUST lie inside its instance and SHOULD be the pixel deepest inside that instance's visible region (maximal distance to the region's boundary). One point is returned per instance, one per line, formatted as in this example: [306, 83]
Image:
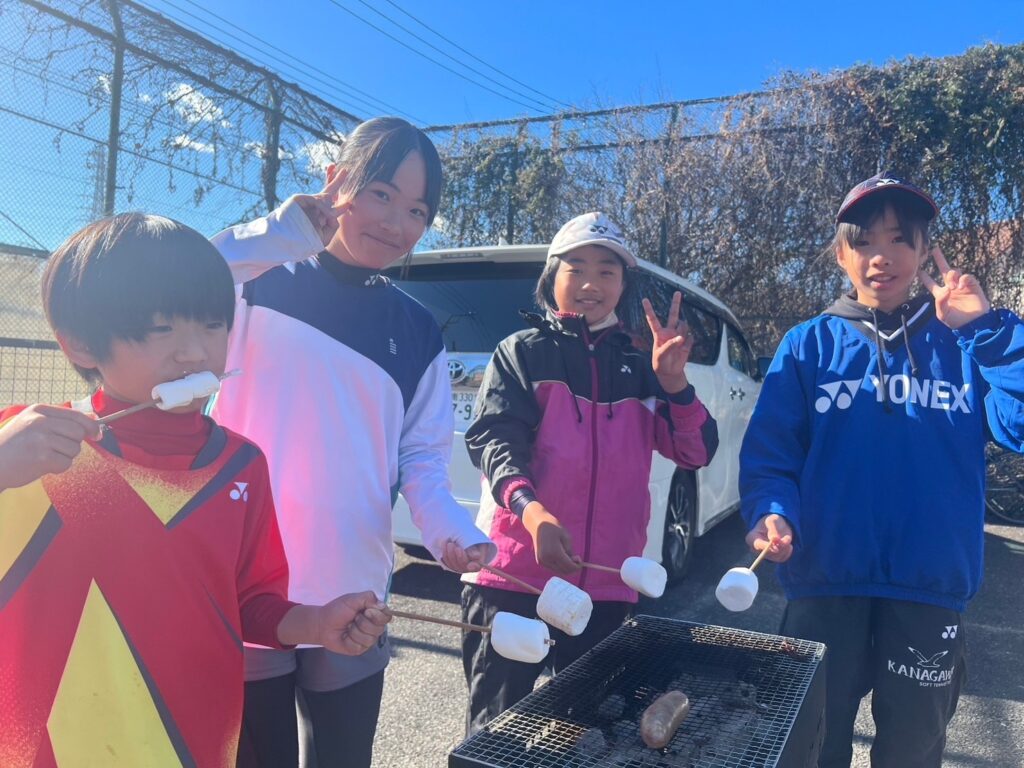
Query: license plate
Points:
[462, 407]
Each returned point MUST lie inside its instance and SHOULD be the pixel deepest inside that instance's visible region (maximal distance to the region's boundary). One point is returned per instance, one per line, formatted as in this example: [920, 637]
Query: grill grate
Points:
[747, 691]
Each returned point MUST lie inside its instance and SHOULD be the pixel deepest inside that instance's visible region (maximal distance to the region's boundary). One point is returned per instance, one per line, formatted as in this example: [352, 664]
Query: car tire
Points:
[680, 526]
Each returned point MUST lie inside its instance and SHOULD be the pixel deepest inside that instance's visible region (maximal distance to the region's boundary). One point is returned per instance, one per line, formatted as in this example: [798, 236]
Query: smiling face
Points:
[589, 282]
[386, 218]
[882, 262]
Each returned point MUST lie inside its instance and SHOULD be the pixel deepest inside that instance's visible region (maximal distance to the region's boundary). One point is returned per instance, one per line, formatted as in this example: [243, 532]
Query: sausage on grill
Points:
[659, 722]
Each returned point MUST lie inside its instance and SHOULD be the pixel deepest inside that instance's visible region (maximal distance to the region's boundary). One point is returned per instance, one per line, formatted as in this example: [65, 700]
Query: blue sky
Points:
[561, 53]
[586, 54]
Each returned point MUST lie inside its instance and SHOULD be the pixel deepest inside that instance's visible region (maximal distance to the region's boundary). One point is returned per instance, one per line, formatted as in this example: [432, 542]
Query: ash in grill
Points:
[755, 700]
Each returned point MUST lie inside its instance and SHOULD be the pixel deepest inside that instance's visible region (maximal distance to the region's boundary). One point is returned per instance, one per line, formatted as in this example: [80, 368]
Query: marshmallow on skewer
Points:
[645, 576]
[519, 638]
[180, 392]
[564, 606]
[737, 589]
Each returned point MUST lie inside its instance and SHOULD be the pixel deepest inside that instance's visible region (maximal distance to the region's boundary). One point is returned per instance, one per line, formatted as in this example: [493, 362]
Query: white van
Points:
[476, 294]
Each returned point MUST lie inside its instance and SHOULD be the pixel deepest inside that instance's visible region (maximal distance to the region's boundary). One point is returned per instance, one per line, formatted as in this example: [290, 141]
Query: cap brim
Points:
[617, 248]
[927, 204]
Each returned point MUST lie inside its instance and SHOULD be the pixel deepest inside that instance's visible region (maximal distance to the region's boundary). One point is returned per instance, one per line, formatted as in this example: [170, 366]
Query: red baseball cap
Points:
[888, 183]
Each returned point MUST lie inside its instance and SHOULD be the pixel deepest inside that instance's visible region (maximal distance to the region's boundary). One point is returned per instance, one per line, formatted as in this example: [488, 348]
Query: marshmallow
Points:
[737, 589]
[645, 576]
[175, 394]
[519, 638]
[564, 606]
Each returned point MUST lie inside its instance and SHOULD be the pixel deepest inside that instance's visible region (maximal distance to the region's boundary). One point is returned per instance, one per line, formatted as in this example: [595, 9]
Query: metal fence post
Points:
[272, 153]
[114, 130]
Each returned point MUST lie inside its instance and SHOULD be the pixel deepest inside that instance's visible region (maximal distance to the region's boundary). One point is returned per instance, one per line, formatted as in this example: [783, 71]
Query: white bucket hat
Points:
[592, 228]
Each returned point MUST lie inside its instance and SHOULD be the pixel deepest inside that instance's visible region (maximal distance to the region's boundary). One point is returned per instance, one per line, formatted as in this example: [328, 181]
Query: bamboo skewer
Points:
[510, 577]
[127, 412]
[150, 403]
[597, 567]
[447, 622]
[436, 620]
[760, 557]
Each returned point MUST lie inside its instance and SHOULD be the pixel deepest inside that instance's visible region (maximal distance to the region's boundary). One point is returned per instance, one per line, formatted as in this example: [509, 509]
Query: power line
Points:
[477, 58]
[333, 82]
[546, 107]
[23, 231]
[432, 61]
[337, 86]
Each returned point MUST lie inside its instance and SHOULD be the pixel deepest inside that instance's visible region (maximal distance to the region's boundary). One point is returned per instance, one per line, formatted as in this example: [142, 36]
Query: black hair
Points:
[108, 280]
[375, 149]
[913, 219]
[544, 292]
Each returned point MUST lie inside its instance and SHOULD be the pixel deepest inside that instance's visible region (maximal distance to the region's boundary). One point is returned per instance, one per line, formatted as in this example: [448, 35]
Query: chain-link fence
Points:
[106, 106]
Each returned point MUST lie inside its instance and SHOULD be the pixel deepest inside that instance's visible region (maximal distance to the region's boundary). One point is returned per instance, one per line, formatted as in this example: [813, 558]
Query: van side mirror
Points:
[762, 367]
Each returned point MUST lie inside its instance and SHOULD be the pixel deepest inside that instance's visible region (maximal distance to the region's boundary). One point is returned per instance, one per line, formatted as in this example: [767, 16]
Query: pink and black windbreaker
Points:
[575, 415]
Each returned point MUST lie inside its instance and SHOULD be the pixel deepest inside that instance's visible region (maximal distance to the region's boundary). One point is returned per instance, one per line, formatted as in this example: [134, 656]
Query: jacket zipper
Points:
[592, 350]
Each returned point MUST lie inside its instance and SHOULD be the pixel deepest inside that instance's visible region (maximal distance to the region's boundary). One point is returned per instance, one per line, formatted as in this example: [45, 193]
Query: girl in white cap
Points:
[569, 413]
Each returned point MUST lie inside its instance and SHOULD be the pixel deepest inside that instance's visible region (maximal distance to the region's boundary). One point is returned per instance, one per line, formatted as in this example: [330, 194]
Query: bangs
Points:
[109, 280]
[377, 147]
[911, 218]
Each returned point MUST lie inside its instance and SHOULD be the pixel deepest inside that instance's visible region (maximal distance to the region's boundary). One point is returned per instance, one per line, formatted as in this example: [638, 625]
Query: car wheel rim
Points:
[679, 531]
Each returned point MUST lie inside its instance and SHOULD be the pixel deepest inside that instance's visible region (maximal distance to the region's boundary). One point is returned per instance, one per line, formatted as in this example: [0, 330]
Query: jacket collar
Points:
[574, 325]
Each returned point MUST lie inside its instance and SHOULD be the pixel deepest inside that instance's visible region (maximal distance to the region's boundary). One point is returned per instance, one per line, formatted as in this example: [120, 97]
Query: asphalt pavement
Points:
[423, 711]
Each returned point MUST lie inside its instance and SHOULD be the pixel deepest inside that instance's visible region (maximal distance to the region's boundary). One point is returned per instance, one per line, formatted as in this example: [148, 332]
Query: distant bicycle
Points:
[1004, 485]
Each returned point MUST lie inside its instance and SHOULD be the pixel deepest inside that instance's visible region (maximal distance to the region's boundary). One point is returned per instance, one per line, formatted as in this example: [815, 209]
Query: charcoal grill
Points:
[756, 700]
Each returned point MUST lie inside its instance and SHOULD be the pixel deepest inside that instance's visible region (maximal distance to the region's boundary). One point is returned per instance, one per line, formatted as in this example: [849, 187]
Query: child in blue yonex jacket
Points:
[863, 470]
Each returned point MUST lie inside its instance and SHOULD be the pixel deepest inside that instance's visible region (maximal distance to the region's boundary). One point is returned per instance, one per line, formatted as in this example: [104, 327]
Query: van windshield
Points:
[476, 303]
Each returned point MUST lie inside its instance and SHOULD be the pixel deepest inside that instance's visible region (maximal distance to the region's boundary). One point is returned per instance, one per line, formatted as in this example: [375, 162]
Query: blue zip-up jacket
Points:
[884, 486]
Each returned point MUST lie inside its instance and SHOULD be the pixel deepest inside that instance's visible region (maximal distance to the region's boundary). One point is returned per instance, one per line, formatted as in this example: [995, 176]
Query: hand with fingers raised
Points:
[960, 298]
[671, 347]
[324, 208]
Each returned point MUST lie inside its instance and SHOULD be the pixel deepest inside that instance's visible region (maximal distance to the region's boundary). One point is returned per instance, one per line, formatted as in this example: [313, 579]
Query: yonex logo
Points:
[240, 492]
[883, 182]
[626, 369]
[606, 231]
[950, 632]
[840, 393]
[926, 393]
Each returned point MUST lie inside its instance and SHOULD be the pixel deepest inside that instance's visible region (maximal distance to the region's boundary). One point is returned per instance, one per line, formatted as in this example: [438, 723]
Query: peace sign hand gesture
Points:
[671, 348]
[960, 299]
[323, 209]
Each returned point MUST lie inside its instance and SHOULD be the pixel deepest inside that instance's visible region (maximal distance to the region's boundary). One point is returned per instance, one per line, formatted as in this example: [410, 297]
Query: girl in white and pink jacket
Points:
[568, 416]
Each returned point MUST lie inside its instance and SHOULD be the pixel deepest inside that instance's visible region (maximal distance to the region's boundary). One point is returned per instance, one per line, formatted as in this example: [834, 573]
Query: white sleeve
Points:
[424, 453]
[284, 235]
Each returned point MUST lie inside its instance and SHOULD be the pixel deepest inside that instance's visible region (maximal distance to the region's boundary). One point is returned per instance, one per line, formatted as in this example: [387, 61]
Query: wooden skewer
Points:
[597, 567]
[436, 620]
[760, 557]
[148, 404]
[510, 577]
[127, 411]
[447, 622]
